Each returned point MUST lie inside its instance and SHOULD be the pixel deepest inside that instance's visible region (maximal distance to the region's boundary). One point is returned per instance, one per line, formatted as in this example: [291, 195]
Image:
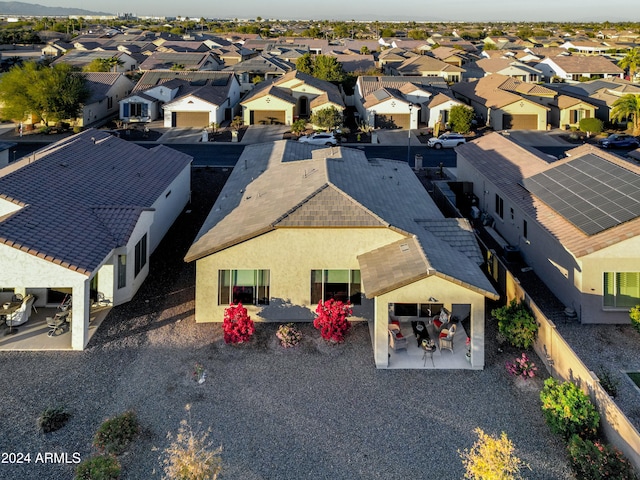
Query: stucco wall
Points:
[290, 254]
[268, 102]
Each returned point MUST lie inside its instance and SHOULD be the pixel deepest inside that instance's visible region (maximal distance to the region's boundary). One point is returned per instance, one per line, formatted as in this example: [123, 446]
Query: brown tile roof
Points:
[488, 91]
[505, 163]
[82, 196]
[336, 187]
[586, 64]
[424, 64]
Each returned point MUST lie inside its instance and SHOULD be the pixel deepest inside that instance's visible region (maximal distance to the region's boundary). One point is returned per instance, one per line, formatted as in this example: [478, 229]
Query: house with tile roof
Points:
[261, 67]
[82, 58]
[354, 229]
[105, 91]
[505, 103]
[291, 96]
[383, 101]
[183, 98]
[509, 67]
[83, 215]
[575, 221]
[194, 61]
[427, 66]
[572, 68]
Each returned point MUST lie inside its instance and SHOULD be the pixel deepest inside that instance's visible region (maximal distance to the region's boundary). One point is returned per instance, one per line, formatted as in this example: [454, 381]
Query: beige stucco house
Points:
[293, 95]
[575, 221]
[343, 227]
[82, 216]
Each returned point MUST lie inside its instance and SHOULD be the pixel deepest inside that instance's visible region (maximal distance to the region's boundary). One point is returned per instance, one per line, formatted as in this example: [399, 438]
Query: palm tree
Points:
[625, 107]
[631, 61]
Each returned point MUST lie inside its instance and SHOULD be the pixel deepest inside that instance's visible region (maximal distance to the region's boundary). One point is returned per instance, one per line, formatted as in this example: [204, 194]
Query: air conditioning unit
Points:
[475, 212]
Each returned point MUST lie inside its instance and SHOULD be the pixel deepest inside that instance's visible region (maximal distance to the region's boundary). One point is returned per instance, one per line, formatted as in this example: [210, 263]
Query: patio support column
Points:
[80, 315]
[380, 335]
[477, 335]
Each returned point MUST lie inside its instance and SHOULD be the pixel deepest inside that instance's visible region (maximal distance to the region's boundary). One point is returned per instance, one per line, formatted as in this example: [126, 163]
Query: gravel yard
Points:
[315, 411]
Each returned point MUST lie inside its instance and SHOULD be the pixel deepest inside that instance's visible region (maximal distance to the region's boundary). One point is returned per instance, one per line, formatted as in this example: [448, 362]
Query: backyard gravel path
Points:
[315, 411]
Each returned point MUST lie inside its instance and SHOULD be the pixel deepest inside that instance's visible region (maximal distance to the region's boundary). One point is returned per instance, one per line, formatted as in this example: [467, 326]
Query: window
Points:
[141, 254]
[512, 215]
[525, 229]
[109, 103]
[499, 206]
[135, 110]
[621, 289]
[249, 287]
[342, 285]
[122, 271]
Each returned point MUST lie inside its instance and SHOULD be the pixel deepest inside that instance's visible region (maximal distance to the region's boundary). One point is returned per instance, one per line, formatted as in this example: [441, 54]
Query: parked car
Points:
[618, 140]
[319, 138]
[446, 140]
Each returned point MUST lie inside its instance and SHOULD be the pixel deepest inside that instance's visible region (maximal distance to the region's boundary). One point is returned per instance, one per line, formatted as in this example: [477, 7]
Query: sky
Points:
[403, 10]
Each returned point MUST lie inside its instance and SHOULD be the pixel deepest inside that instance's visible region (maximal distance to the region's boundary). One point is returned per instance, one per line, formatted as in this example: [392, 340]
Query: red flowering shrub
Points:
[593, 460]
[237, 326]
[332, 320]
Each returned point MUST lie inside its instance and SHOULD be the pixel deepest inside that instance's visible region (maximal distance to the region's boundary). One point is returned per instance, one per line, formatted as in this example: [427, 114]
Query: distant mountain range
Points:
[21, 8]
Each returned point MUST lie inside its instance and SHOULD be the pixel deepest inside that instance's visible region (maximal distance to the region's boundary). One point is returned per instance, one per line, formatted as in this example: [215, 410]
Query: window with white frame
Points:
[342, 285]
[249, 287]
[122, 271]
[621, 289]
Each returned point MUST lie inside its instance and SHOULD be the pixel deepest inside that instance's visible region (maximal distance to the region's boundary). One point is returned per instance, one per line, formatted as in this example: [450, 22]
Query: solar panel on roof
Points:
[590, 192]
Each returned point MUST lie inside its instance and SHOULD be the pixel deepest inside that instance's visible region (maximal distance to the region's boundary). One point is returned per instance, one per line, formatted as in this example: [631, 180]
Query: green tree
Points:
[104, 65]
[304, 64]
[627, 106]
[568, 410]
[327, 68]
[388, 32]
[492, 458]
[591, 125]
[328, 118]
[298, 126]
[54, 93]
[516, 323]
[631, 61]
[460, 118]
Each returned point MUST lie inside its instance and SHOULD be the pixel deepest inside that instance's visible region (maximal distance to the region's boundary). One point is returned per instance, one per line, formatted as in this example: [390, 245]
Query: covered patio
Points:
[33, 335]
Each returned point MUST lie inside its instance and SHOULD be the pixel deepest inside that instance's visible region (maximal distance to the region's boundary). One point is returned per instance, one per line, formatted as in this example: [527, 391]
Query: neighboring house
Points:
[106, 91]
[195, 61]
[82, 58]
[354, 62]
[355, 230]
[508, 67]
[84, 215]
[427, 66]
[452, 56]
[566, 111]
[572, 68]
[575, 221]
[497, 101]
[439, 108]
[588, 47]
[263, 67]
[391, 57]
[294, 95]
[600, 93]
[55, 49]
[183, 99]
[383, 102]
[233, 54]
[5, 147]
[181, 46]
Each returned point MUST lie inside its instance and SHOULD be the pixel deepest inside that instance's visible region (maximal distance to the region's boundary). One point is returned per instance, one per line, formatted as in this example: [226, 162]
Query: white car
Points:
[446, 140]
[320, 138]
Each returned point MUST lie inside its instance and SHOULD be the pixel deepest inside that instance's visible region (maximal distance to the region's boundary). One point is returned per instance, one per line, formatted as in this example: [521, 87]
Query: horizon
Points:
[498, 11]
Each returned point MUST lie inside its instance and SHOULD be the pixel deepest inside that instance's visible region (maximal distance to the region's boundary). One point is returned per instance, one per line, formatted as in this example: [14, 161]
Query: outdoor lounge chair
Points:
[21, 315]
[397, 341]
[446, 337]
[56, 325]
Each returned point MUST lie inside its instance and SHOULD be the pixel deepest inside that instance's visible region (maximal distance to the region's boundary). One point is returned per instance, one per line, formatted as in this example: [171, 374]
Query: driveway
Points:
[264, 133]
[315, 411]
[536, 138]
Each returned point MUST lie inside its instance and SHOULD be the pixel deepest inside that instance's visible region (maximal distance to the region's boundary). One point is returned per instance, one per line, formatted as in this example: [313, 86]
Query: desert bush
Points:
[593, 460]
[289, 335]
[52, 419]
[332, 320]
[609, 383]
[568, 410]
[115, 434]
[191, 455]
[634, 315]
[100, 467]
[591, 125]
[492, 458]
[299, 126]
[237, 325]
[517, 324]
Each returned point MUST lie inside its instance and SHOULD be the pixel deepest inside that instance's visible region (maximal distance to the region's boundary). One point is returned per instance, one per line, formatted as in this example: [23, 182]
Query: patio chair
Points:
[397, 341]
[101, 301]
[440, 321]
[446, 337]
[56, 325]
[21, 315]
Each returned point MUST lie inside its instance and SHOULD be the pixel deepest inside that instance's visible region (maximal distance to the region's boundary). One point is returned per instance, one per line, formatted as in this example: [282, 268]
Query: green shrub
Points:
[568, 410]
[52, 419]
[115, 434]
[591, 125]
[596, 461]
[492, 458]
[77, 129]
[101, 467]
[460, 117]
[299, 126]
[609, 383]
[516, 324]
[634, 315]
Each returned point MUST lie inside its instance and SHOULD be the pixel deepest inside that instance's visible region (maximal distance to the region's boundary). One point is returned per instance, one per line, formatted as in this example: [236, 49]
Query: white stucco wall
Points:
[192, 104]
